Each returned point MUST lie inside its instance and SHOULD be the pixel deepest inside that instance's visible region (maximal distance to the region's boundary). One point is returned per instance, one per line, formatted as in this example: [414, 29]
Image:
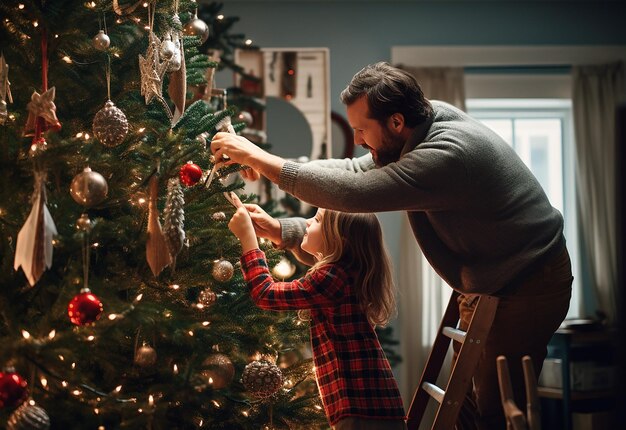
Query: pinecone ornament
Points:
[262, 378]
[29, 417]
[174, 217]
[110, 125]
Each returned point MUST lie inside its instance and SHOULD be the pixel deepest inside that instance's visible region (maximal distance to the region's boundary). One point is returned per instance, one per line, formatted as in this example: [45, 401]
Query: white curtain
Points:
[596, 92]
[423, 294]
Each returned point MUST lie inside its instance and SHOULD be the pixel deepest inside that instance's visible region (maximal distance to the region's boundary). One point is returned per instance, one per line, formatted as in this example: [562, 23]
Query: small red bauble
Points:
[13, 389]
[190, 174]
[84, 308]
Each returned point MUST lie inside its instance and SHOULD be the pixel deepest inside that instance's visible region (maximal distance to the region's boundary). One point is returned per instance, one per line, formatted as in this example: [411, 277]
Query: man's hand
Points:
[240, 150]
[241, 225]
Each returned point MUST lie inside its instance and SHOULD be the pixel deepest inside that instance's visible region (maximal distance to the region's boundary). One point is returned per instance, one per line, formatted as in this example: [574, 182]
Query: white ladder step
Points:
[454, 333]
[434, 391]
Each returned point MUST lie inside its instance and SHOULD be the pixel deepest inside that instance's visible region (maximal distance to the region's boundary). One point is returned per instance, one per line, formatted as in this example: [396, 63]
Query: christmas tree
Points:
[121, 301]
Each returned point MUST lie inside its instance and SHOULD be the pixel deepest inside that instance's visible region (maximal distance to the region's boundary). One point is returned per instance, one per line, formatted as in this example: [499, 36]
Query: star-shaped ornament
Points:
[152, 70]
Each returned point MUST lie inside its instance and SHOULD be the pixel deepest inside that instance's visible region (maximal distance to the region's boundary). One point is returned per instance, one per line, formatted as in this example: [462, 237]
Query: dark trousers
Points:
[528, 314]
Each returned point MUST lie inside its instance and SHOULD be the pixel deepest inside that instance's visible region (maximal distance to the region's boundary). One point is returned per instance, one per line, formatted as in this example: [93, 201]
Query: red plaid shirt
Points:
[353, 374]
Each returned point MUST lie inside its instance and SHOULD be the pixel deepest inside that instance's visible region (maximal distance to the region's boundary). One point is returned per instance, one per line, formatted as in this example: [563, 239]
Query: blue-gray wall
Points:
[362, 32]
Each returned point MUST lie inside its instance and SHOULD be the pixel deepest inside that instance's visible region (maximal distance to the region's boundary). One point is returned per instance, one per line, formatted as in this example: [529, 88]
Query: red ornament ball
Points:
[190, 174]
[84, 308]
[13, 389]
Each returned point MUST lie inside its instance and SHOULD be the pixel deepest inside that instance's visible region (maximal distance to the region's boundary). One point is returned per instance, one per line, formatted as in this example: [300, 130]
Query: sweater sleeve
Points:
[431, 177]
[321, 289]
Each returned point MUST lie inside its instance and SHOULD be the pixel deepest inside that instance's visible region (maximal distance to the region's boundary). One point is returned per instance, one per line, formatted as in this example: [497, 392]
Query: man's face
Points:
[383, 142]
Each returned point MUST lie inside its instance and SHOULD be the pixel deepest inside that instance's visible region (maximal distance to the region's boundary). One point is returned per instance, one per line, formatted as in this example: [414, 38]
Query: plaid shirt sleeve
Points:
[320, 289]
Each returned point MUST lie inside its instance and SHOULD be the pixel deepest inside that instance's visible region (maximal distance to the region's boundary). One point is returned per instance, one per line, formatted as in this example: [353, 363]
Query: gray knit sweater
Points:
[477, 212]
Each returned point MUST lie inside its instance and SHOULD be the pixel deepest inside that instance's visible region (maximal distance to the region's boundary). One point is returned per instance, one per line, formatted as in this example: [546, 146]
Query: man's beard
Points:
[390, 150]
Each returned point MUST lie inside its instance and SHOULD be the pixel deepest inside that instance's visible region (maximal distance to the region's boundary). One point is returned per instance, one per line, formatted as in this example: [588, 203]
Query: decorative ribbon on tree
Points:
[157, 252]
[33, 251]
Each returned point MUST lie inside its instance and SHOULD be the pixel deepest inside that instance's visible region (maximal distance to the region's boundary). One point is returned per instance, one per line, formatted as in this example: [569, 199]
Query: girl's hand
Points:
[264, 225]
[241, 225]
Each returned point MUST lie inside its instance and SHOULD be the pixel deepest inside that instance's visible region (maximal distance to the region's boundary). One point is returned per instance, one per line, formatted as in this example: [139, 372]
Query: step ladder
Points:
[472, 342]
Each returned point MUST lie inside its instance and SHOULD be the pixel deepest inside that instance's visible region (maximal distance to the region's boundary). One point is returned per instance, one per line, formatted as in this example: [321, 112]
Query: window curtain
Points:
[423, 294]
[597, 90]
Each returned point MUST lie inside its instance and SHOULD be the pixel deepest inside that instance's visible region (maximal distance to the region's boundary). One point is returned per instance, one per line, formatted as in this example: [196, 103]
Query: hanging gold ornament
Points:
[145, 356]
[262, 378]
[89, 188]
[197, 27]
[101, 41]
[217, 371]
[206, 297]
[218, 216]
[223, 270]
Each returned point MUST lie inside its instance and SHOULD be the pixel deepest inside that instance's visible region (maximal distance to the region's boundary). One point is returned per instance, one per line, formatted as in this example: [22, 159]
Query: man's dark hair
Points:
[389, 90]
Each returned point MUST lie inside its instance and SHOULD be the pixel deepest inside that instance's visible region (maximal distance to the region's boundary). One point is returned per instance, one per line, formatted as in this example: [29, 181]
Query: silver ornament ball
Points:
[89, 188]
[29, 417]
[207, 297]
[197, 27]
[101, 41]
[110, 125]
[245, 117]
[83, 223]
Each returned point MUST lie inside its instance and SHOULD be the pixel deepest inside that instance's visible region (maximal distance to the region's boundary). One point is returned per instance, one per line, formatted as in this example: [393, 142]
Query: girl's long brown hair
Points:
[355, 240]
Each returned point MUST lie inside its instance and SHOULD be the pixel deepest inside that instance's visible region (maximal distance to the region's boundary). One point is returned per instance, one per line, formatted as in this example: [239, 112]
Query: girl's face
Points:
[312, 240]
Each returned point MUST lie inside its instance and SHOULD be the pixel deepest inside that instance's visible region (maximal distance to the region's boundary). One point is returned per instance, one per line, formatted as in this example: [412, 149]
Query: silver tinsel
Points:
[29, 417]
[262, 378]
[110, 125]
[174, 217]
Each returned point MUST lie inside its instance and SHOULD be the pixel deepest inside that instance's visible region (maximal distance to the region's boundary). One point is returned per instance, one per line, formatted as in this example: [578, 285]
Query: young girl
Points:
[348, 290]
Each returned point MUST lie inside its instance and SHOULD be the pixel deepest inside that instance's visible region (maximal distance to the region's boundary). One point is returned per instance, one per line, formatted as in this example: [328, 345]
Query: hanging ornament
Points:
[218, 216]
[89, 188]
[157, 253]
[262, 378]
[217, 371]
[84, 308]
[223, 270]
[284, 269]
[197, 27]
[151, 68]
[33, 251]
[145, 356]
[101, 41]
[245, 117]
[190, 174]
[13, 389]
[84, 223]
[5, 90]
[206, 297]
[42, 106]
[110, 125]
[29, 417]
[170, 52]
[173, 218]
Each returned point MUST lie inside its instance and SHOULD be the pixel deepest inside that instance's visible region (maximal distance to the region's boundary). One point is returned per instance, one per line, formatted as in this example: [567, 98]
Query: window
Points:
[540, 131]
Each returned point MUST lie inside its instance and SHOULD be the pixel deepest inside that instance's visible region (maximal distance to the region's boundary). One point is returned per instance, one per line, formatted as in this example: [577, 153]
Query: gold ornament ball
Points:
[83, 223]
[207, 297]
[223, 270]
[145, 356]
[110, 125]
[219, 369]
[29, 417]
[89, 188]
[197, 27]
[101, 41]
